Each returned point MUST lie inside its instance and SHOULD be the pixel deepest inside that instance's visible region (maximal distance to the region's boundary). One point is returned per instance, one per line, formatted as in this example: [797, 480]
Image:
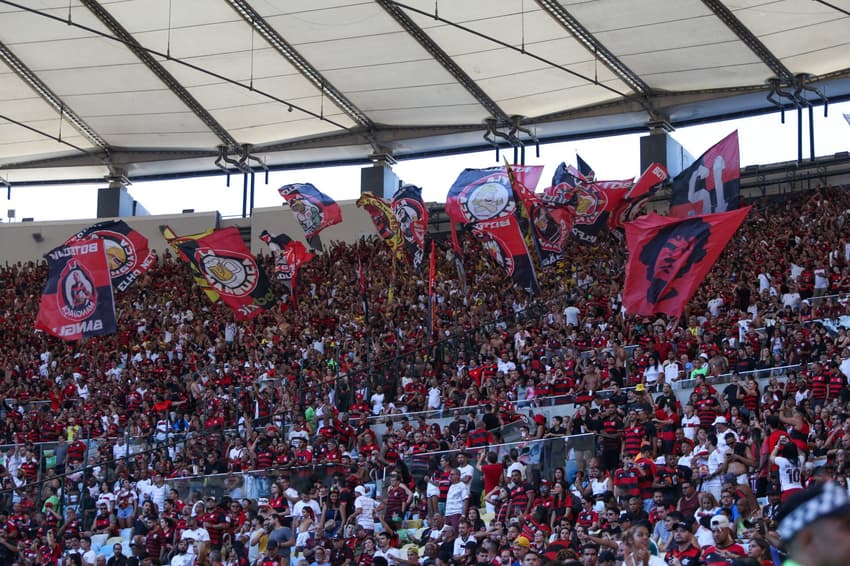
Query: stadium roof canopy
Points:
[90, 88]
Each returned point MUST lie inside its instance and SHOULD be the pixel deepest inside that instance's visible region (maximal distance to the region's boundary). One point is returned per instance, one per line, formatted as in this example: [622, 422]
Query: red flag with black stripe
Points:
[670, 257]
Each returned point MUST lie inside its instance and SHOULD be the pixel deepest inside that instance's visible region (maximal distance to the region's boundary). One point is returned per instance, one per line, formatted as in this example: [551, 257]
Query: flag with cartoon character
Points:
[77, 301]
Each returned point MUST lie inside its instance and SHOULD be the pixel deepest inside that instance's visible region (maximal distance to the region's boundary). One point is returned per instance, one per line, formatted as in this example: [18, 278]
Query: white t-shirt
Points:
[198, 535]
[455, 498]
[572, 313]
[821, 279]
[434, 398]
[467, 470]
[366, 518]
[671, 371]
[393, 555]
[690, 426]
[460, 545]
[714, 306]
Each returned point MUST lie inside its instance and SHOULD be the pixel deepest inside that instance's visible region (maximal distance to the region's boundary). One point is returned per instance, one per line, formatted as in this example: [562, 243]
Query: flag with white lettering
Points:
[483, 199]
[77, 301]
[127, 250]
[712, 183]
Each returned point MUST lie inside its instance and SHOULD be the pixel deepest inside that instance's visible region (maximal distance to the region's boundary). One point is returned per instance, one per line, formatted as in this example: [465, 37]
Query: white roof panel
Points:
[408, 77]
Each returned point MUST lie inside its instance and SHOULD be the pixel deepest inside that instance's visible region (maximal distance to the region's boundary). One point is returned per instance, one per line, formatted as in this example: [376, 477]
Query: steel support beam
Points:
[417, 33]
[121, 33]
[273, 38]
[560, 14]
[66, 113]
[746, 35]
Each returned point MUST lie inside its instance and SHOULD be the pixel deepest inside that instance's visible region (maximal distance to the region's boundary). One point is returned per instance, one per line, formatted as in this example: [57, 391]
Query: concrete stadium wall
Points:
[18, 240]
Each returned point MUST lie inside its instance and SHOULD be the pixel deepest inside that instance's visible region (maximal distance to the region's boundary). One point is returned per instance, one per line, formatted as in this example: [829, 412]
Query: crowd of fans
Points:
[322, 417]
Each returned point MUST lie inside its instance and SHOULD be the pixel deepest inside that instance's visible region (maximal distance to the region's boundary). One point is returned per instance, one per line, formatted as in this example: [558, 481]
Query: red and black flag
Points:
[591, 207]
[712, 183]
[188, 243]
[384, 220]
[483, 199]
[585, 169]
[670, 257]
[638, 194]
[289, 256]
[77, 301]
[127, 251]
[548, 228]
[568, 174]
[412, 219]
[226, 263]
[313, 209]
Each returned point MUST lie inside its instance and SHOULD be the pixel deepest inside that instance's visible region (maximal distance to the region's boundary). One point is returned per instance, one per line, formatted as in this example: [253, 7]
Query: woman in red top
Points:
[277, 501]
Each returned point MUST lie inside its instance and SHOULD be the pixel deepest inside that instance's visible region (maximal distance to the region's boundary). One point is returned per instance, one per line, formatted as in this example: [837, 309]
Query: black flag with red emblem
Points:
[670, 257]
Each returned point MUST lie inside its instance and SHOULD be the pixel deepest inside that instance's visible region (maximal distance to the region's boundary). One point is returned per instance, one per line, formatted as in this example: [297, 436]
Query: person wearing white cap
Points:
[721, 425]
[364, 510]
[724, 548]
[814, 526]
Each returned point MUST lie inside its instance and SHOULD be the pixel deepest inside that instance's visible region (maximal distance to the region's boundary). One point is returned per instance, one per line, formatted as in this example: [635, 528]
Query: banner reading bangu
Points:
[412, 218]
[712, 183]
[670, 257]
[77, 301]
[483, 198]
[226, 263]
[127, 251]
[289, 256]
[313, 209]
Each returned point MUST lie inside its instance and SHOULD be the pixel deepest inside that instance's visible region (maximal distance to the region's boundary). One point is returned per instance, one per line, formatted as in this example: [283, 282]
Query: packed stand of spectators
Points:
[292, 399]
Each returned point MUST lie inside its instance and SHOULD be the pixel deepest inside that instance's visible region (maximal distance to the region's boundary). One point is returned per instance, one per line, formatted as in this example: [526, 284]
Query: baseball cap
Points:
[522, 541]
[719, 522]
[360, 490]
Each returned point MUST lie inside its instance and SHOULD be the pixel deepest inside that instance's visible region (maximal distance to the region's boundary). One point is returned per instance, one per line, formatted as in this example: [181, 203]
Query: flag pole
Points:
[431, 276]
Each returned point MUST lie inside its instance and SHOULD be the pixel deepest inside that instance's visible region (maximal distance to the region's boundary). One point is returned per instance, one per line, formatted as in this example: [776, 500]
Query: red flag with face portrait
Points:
[670, 257]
